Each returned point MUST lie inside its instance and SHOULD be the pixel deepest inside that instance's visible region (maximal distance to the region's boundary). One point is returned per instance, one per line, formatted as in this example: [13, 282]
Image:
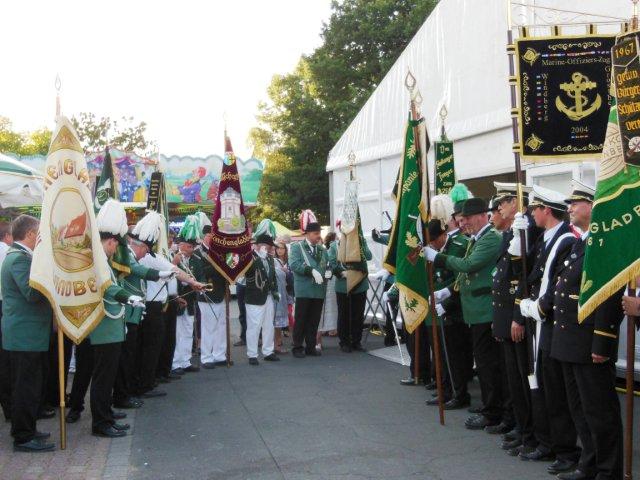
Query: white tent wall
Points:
[459, 59]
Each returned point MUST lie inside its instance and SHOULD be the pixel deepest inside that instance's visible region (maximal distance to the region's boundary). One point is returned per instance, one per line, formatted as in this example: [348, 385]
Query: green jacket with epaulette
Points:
[302, 261]
[209, 274]
[475, 275]
[456, 246]
[26, 314]
[135, 283]
[111, 328]
[337, 268]
[260, 283]
[192, 266]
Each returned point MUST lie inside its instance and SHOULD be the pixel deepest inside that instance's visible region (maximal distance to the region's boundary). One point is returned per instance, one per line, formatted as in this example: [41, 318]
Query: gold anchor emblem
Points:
[575, 90]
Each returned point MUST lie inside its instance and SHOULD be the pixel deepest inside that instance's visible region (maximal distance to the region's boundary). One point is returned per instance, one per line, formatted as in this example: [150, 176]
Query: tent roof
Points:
[459, 59]
[13, 166]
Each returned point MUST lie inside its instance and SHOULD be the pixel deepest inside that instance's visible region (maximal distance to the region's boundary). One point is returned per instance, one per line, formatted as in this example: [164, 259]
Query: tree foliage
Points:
[96, 133]
[309, 108]
[32, 143]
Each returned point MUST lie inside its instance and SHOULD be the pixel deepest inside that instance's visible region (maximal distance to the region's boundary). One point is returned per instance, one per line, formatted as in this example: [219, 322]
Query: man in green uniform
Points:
[26, 327]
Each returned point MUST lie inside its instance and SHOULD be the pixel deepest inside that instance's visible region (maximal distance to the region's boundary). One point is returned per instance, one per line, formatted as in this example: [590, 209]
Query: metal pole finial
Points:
[58, 85]
[443, 112]
[410, 81]
[634, 19]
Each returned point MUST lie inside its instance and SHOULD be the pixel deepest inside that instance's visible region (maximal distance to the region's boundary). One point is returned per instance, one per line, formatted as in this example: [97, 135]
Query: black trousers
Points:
[124, 386]
[458, 346]
[424, 353]
[5, 376]
[563, 431]
[351, 317]
[486, 351]
[168, 341]
[307, 314]
[26, 393]
[242, 316]
[105, 369]
[150, 338]
[52, 382]
[595, 409]
[508, 415]
[516, 365]
[82, 377]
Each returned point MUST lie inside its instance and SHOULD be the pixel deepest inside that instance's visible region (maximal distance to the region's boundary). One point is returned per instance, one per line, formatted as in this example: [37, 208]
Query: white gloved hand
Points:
[136, 301]
[529, 308]
[430, 253]
[343, 274]
[515, 248]
[382, 275]
[166, 273]
[442, 295]
[520, 223]
[327, 274]
[317, 277]
[440, 310]
[385, 297]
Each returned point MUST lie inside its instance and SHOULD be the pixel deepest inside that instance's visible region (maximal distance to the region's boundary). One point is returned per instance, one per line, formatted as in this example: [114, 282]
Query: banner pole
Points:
[227, 299]
[61, 389]
[628, 427]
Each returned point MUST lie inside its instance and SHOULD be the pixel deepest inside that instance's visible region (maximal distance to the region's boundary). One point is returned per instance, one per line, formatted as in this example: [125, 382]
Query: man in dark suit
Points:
[26, 329]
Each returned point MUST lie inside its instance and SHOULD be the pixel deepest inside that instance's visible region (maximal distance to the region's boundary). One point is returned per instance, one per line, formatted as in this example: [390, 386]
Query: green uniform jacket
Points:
[111, 327]
[26, 313]
[260, 283]
[135, 284]
[337, 268]
[209, 274]
[456, 246]
[193, 267]
[303, 284]
[475, 277]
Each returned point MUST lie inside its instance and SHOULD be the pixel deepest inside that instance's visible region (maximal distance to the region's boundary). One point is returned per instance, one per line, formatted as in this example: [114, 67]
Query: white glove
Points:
[529, 309]
[327, 274]
[382, 275]
[317, 277]
[442, 295]
[430, 253]
[440, 310]
[136, 301]
[515, 248]
[167, 273]
[520, 223]
[343, 274]
[385, 297]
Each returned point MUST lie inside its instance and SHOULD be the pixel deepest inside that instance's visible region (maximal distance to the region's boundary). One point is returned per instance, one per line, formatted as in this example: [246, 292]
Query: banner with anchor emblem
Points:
[563, 87]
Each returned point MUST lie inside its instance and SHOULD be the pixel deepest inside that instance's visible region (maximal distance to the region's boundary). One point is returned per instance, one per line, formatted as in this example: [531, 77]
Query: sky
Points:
[179, 66]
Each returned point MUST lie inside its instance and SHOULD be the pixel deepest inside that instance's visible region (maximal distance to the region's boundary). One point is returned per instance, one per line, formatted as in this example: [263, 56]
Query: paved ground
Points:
[341, 416]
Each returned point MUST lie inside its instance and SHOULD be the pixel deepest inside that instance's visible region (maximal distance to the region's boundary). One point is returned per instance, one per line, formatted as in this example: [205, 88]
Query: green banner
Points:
[445, 173]
[612, 257]
[404, 256]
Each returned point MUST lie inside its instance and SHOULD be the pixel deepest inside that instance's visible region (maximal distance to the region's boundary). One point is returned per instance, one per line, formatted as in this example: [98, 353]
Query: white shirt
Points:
[156, 291]
[549, 234]
[23, 246]
[479, 234]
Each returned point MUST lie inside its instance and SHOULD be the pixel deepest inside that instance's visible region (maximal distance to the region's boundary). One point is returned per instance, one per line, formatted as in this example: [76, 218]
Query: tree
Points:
[34, 143]
[309, 108]
[125, 134]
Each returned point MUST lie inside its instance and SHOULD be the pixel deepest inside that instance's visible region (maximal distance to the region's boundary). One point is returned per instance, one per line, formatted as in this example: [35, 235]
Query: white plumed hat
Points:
[112, 219]
[148, 229]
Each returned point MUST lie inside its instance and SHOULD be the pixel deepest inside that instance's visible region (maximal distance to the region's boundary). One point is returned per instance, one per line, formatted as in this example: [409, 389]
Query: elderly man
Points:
[474, 286]
[26, 328]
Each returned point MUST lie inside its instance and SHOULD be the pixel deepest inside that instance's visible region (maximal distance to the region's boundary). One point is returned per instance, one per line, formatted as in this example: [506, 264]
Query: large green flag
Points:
[404, 256]
[612, 257]
[106, 189]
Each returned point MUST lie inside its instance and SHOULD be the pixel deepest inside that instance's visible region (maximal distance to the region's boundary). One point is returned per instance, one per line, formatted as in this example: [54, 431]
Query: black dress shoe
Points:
[430, 385]
[561, 465]
[118, 415]
[123, 427]
[358, 348]
[72, 416]
[510, 444]
[33, 445]
[46, 413]
[409, 381]
[174, 376]
[222, 363]
[272, 358]
[162, 380]
[298, 353]
[192, 369]
[536, 455]
[479, 423]
[346, 348]
[128, 404]
[209, 365]
[516, 451]
[178, 371]
[577, 474]
[153, 393]
[457, 403]
[499, 429]
[41, 435]
[253, 361]
[476, 410]
[108, 432]
[512, 435]
[434, 401]
[313, 353]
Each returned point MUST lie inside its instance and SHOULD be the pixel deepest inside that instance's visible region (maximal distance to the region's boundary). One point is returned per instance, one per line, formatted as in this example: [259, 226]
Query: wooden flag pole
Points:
[62, 392]
[227, 300]
[410, 83]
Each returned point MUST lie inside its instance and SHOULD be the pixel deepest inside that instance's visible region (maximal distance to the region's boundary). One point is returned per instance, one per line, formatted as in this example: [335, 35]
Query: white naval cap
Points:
[580, 192]
[545, 197]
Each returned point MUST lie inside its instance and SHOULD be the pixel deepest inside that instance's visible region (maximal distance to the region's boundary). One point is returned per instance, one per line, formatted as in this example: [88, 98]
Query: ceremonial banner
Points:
[563, 86]
[69, 266]
[351, 246]
[157, 202]
[445, 173]
[404, 256]
[612, 257]
[230, 248]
